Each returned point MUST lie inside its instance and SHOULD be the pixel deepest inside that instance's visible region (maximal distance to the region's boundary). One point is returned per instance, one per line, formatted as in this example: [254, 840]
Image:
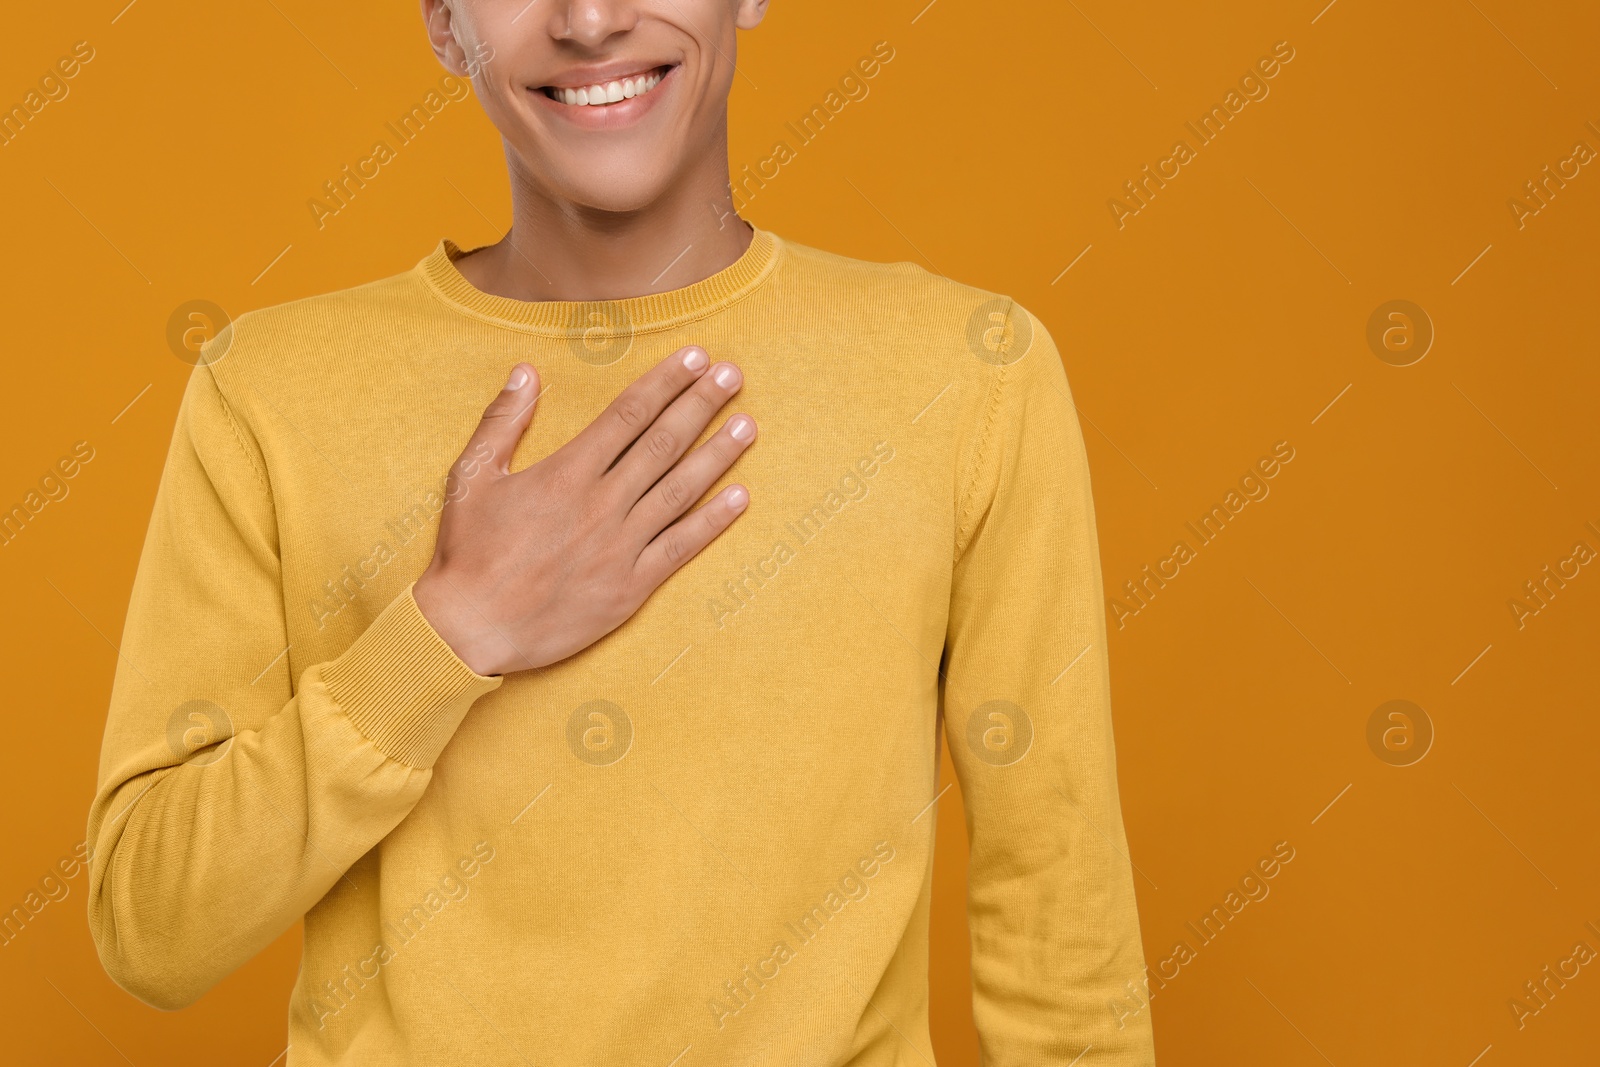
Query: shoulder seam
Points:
[963, 532]
[238, 436]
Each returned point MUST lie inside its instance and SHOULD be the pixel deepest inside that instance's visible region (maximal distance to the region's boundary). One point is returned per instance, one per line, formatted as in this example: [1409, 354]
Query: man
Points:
[559, 762]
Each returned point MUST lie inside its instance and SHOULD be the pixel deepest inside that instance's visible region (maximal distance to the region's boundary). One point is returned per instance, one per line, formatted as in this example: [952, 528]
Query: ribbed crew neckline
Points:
[636, 314]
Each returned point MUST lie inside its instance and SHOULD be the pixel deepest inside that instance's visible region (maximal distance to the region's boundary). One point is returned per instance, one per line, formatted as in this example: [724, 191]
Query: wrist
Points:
[459, 623]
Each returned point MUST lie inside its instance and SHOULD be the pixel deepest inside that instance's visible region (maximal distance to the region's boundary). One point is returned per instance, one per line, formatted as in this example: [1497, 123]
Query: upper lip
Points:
[601, 73]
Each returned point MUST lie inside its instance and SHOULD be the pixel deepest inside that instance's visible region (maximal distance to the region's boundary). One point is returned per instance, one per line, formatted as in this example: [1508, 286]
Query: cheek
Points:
[502, 98]
[706, 83]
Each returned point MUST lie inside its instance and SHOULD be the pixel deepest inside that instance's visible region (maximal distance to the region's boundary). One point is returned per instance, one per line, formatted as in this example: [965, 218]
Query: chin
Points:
[621, 179]
[604, 193]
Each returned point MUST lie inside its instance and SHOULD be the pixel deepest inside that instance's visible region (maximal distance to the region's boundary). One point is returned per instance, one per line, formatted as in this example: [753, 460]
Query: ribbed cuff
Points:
[402, 686]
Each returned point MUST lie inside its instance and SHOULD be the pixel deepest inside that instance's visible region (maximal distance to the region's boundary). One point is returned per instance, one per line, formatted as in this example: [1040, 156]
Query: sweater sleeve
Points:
[1051, 907]
[230, 799]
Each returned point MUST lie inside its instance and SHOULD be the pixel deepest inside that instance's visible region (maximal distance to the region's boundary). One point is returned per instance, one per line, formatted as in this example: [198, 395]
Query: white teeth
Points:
[607, 93]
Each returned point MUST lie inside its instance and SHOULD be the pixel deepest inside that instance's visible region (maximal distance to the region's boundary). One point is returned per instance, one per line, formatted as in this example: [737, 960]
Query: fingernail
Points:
[726, 376]
[695, 358]
[741, 428]
[738, 498]
[519, 378]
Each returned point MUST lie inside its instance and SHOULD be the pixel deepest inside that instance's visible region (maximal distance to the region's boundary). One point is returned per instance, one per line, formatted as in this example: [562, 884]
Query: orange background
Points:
[1227, 315]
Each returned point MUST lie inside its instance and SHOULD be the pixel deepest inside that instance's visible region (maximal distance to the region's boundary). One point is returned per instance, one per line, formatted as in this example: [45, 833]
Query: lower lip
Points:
[609, 116]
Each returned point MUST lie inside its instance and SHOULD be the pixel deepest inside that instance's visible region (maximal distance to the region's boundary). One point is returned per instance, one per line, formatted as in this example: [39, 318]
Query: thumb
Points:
[502, 425]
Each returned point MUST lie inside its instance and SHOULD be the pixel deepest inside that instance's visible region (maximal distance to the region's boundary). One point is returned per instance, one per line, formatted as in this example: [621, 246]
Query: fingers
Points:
[685, 483]
[502, 425]
[660, 446]
[638, 406]
[683, 540]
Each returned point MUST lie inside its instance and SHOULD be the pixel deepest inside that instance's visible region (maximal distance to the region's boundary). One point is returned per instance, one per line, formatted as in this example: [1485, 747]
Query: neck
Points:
[558, 250]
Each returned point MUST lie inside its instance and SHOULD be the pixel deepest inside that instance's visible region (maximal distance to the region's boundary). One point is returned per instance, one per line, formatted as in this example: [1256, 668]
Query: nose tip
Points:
[590, 22]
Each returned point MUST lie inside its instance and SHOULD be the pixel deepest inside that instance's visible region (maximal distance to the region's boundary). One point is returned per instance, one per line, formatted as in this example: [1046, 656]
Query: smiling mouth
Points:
[604, 94]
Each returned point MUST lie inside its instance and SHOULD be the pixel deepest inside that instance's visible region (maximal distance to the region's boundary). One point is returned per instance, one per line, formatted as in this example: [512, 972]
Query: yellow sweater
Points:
[706, 839]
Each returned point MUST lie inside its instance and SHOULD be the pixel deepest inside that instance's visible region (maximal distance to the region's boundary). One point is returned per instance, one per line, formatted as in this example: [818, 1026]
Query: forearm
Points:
[199, 866]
